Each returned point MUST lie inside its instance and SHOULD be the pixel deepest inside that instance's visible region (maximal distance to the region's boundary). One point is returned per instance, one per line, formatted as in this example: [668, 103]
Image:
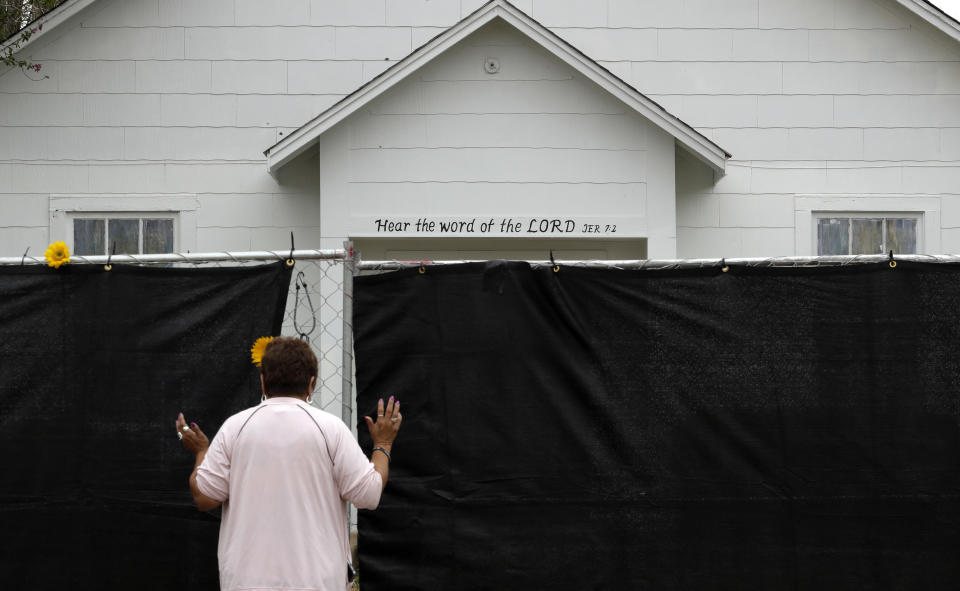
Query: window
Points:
[920, 234]
[144, 224]
[842, 234]
[96, 234]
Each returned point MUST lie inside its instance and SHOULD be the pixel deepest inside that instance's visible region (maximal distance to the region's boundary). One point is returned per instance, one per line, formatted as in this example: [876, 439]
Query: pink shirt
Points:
[284, 470]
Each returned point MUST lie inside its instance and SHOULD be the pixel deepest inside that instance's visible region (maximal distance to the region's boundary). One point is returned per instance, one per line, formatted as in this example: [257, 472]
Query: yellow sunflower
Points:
[57, 254]
[259, 346]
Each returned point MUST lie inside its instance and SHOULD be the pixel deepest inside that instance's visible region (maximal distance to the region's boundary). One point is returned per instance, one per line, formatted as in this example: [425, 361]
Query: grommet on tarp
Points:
[723, 265]
[113, 251]
[290, 261]
[423, 268]
[893, 263]
[23, 259]
[556, 267]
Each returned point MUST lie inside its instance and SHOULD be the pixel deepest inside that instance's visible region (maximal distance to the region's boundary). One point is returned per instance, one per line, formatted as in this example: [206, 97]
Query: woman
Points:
[283, 471]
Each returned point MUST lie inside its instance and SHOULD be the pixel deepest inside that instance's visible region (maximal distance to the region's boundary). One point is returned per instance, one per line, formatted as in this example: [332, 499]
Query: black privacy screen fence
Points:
[94, 367]
[765, 428]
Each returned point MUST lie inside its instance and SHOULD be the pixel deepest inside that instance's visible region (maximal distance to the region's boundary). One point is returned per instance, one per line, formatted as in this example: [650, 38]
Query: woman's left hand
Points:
[193, 438]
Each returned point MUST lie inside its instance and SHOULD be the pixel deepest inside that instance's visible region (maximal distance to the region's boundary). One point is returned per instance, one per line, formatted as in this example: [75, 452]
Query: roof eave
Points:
[934, 15]
[698, 144]
[50, 20]
[300, 140]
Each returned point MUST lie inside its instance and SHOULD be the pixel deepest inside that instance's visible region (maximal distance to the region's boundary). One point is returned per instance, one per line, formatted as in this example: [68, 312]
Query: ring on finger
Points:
[179, 435]
[394, 420]
[186, 428]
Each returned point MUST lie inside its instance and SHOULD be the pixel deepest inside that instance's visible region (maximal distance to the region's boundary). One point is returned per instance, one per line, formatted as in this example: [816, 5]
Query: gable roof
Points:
[297, 142]
[288, 148]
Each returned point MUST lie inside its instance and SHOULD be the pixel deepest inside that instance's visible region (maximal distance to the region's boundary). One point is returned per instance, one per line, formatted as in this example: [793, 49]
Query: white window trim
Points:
[63, 208]
[809, 207]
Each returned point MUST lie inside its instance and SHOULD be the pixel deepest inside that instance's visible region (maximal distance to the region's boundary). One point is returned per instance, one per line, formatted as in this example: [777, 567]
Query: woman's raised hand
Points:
[384, 429]
[192, 437]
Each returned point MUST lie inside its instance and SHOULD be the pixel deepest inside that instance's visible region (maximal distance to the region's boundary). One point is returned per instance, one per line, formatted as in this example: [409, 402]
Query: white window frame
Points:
[181, 208]
[809, 208]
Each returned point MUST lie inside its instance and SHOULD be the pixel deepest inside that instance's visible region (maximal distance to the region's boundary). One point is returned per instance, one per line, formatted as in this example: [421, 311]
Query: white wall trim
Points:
[696, 143]
[61, 206]
[806, 206]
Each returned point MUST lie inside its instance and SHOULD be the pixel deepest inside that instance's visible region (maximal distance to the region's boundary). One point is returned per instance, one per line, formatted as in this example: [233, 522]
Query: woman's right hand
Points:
[384, 430]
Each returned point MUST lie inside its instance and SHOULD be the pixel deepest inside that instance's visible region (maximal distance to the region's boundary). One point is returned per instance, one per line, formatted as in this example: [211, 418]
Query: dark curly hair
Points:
[287, 366]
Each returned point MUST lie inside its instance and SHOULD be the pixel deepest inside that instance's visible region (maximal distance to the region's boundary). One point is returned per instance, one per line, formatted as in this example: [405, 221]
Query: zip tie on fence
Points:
[290, 261]
[301, 282]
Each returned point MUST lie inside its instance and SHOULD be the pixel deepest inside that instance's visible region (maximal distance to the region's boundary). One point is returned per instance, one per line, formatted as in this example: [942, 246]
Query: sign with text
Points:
[499, 226]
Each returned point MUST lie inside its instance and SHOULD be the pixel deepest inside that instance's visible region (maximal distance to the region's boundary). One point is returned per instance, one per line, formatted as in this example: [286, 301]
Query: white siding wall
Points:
[534, 140]
[813, 97]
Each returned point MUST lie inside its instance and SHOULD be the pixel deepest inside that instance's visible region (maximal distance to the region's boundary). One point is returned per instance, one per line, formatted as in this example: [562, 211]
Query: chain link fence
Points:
[319, 306]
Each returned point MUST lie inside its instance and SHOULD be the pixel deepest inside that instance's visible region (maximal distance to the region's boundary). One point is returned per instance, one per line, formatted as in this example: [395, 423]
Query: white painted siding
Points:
[181, 96]
[536, 139]
[825, 97]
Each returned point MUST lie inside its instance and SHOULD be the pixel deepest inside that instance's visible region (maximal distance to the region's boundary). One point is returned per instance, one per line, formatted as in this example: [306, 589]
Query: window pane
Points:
[833, 236]
[867, 236]
[902, 235]
[88, 237]
[157, 236]
[126, 235]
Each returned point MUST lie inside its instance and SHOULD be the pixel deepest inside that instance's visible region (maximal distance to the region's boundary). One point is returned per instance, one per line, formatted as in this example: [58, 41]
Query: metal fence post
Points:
[349, 268]
[346, 343]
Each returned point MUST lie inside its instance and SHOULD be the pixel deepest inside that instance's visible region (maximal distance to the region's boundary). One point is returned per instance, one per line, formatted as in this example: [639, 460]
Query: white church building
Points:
[458, 129]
